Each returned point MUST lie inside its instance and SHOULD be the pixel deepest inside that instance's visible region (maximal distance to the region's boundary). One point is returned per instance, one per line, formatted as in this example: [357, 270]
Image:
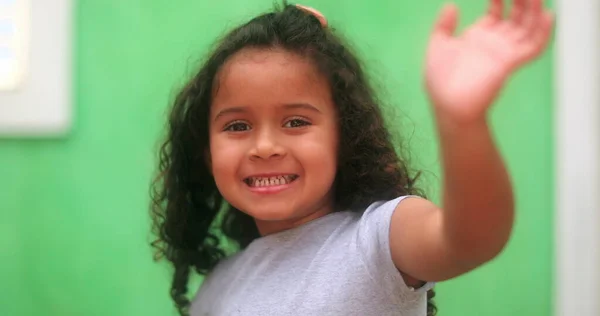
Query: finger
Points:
[535, 15]
[531, 20]
[542, 36]
[536, 7]
[447, 21]
[538, 41]
[314, 12]
[518, 11]
[496, 9]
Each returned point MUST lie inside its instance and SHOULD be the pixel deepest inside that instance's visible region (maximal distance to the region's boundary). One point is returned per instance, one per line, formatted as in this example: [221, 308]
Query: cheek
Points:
[319, 156]
[224, 157]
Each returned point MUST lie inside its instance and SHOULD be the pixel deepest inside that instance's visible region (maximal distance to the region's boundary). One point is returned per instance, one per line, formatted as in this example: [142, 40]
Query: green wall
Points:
[74, 224]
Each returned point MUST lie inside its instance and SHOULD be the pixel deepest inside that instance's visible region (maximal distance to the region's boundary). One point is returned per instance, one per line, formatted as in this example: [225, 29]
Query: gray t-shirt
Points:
[339, 264]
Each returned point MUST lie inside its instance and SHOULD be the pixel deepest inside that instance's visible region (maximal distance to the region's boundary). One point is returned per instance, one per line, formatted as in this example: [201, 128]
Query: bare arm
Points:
[464, 76]
[477, 214]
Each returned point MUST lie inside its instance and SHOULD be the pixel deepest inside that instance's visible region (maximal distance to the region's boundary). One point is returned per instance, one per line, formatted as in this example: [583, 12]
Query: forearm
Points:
[478, 200]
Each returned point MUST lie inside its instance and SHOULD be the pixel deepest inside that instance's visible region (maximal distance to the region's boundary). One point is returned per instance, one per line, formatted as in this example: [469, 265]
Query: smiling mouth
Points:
[257, 182]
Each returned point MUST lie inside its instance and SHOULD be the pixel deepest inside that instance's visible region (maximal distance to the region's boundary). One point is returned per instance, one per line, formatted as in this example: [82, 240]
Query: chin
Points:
[271, 214]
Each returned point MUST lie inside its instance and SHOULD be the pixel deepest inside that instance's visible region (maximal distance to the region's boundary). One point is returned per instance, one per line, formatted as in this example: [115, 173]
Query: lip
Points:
[270, 189]
[270, 174]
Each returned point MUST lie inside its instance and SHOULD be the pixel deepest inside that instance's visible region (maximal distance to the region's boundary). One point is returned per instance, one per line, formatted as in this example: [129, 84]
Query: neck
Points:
[271, 227]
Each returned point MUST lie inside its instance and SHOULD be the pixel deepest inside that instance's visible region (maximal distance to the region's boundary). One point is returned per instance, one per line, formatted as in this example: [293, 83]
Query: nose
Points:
[267, 146]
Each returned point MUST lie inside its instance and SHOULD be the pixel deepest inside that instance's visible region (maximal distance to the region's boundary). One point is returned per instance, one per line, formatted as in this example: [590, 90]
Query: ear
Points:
[314, 12]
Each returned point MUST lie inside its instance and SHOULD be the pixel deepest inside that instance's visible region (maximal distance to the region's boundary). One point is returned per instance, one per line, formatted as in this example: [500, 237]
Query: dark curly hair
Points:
[192, 221]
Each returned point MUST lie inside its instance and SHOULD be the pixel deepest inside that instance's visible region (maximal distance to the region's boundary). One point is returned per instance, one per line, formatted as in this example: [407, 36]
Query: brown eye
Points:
[237, 127]
[294, 123]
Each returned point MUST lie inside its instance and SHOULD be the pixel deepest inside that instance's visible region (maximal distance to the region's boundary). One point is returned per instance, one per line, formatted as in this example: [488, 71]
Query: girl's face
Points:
[274, 138]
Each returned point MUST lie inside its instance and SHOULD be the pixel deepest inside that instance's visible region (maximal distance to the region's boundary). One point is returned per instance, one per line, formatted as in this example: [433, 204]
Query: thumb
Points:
[447, 21]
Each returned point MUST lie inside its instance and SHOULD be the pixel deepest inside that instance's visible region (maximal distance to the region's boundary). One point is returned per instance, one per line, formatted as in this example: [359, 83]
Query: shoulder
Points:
[379, 216]
[214, 281]
[384, 210]
[223, 268]
[374, 237]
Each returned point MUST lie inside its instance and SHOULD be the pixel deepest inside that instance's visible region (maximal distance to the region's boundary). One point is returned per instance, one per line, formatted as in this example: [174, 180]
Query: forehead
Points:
[269, 76]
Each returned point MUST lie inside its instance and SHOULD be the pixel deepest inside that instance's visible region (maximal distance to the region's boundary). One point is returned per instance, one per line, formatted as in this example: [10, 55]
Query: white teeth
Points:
[271, 181]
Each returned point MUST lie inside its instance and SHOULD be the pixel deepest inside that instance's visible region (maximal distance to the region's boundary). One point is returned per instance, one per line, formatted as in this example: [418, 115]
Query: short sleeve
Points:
[373, 242]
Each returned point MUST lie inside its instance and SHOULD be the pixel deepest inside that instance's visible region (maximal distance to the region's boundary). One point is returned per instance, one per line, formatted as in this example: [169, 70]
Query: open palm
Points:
[465, 73]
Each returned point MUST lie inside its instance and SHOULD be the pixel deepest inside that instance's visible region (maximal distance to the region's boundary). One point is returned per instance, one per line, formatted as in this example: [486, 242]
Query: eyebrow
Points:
[290, 106]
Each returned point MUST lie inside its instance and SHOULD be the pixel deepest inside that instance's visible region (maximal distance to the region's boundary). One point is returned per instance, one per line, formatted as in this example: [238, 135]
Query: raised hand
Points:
[465, 73]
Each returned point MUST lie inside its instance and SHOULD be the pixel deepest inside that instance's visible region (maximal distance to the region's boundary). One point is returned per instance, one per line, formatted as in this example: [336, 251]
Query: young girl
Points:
[278, 144]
